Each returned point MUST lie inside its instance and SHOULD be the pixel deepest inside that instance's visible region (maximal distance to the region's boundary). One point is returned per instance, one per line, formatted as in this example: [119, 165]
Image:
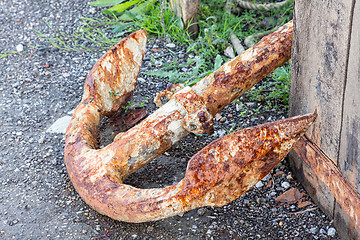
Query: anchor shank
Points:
[241, 73]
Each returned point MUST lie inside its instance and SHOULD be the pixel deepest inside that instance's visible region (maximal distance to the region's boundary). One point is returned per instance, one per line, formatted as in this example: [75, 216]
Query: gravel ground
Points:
[41, 84]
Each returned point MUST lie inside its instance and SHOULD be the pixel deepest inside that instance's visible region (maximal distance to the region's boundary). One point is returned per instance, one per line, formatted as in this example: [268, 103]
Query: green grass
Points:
[122, 17]
[273, 92]
[93, 34]
[7, 53]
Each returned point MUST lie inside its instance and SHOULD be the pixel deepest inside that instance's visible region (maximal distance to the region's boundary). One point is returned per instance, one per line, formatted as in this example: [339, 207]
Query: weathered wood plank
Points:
[318, 67]
[349, 155]
[318, 72]
[187, 10]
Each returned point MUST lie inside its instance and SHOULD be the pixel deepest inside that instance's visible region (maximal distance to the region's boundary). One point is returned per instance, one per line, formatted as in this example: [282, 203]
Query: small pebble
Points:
[19, 48]
[92, 10]
[221, 132]
[259, 184]
[201, 211]
[150, 229]
[313, 230]
[41, 140]
[141, 80]
[170, 45]
[285, 185]
[53, 161]
[229, 52]
[331, 232]
[218, 117]
[158, 63]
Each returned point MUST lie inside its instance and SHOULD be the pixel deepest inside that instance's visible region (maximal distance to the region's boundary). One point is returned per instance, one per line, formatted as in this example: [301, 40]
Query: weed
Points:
[114, 93]
[173, 74]
[273, 90]
[234, 128]
[280, 91]
[4, 55]
[158, 19]
[105, 235]
[91, 35]
[128, 106]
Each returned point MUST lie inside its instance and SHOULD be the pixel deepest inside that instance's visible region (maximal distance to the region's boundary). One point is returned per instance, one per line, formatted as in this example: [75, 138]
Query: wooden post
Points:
[187, 10]
[325, 75]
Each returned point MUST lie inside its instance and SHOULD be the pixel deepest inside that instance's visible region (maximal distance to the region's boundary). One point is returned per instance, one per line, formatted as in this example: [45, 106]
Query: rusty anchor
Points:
[216, 175]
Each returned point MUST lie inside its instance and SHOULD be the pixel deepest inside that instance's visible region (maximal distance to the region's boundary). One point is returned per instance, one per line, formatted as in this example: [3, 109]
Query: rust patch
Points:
[325, 169]
[134, 116]
[243, 72]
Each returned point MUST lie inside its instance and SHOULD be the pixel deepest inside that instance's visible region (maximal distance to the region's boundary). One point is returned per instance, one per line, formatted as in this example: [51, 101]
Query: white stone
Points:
[285, 185]
[141, 80]
[221, 132]
[229, 52]
[92, 10]
[331, 232]
[259, 184]
[170, 45]
[19, 48]
[158, 63]
[59, 125]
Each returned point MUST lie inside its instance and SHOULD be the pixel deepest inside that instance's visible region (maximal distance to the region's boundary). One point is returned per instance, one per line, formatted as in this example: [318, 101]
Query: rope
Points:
[256, 6]
[249, 41]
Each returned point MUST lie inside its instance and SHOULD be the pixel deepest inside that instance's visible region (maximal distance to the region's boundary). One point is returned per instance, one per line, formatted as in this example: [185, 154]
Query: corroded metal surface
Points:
[241, 73]
[327, 172]
[216, 175]
[169, 92]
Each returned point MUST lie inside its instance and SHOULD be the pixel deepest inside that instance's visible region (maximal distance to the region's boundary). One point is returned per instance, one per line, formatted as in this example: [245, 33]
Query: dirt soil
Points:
[41, 84]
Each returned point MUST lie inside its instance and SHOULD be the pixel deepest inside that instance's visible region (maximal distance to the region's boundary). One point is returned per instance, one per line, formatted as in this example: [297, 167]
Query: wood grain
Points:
[318, 79]
[349, 156]
[325, 75]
